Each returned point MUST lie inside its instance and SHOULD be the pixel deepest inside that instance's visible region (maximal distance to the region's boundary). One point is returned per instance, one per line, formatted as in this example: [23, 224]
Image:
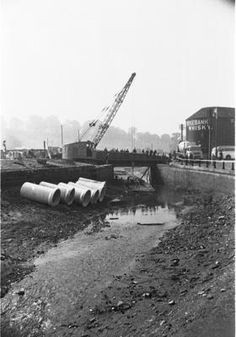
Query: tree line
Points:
[32, 132]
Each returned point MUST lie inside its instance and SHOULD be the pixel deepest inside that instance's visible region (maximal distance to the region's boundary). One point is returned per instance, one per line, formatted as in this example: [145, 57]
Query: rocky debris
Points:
[174, 262]
[151, 224]
[3, 257]
[4, 290]
[182, 275]
[114, 236]
[111, 236]
[21, 292]
[202, 292]
[210, 297]
[122, 306]
[182, 272]
[162, 322]
[116, 200]
[40, 252]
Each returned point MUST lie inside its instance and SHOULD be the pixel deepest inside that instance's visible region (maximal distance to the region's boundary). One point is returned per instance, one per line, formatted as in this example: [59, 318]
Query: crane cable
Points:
[93, 123]
[98, 118]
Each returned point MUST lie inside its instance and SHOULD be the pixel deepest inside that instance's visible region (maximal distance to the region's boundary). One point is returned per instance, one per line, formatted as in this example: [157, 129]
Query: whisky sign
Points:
[197, 124]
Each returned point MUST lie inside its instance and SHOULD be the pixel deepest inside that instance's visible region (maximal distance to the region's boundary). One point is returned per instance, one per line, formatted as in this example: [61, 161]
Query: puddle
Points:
[80, 267]
[142, 215]
[134, 225]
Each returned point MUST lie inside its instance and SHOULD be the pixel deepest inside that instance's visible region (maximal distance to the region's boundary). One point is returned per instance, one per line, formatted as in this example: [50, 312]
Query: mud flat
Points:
[124, 279]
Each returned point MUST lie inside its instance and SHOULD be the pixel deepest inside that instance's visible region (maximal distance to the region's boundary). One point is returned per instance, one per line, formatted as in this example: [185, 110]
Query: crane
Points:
[111, 112]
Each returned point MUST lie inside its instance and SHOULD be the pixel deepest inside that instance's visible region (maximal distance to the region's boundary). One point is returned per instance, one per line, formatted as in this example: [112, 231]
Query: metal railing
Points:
[224, 165]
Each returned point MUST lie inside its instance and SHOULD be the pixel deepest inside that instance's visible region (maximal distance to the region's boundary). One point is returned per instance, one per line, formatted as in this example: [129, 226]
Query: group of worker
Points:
[146, 152]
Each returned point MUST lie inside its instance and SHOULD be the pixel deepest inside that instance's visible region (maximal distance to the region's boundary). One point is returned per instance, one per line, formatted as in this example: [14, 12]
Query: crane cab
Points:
[82, 151]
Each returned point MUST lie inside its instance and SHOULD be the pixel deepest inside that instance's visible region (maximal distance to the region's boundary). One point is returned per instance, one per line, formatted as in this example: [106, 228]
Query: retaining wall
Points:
[198, 180]
[56, 174]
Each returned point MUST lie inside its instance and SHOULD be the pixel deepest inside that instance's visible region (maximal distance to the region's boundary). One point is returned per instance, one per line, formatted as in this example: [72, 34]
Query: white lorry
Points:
[189, 150]
[223, 152]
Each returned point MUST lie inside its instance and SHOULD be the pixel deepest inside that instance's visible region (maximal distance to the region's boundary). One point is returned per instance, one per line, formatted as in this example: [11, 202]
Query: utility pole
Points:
[209, 134]
[61, 136]
[215, 114]
[181, 132]
[44, 148]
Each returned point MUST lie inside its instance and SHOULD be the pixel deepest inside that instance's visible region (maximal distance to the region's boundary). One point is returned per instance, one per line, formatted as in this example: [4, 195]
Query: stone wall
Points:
[56, 174]
[197, 180]
[104, 172]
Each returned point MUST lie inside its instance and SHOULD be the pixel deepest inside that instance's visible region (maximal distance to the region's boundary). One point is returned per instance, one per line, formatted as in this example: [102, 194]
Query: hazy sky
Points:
[69, 57]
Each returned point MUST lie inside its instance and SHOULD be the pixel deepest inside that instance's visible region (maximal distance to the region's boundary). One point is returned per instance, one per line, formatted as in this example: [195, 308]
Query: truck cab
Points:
[223, 152]
[194, 152]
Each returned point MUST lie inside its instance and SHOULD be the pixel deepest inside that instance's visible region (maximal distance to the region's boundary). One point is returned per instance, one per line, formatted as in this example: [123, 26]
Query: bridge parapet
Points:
[217, 166]
[135, 159]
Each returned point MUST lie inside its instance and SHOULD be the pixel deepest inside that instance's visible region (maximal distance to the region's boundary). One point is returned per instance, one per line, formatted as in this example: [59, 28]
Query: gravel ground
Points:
[182, 287]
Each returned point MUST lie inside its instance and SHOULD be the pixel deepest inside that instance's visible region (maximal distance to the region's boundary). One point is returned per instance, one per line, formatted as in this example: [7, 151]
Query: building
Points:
[210, 127]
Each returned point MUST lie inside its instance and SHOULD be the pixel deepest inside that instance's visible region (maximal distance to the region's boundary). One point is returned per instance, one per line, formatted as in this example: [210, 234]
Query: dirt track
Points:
[183, 287]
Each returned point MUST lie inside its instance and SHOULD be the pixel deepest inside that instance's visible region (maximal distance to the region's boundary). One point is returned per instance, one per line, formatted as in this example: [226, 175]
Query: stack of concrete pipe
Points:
[82, 195]
[82, 192]
[67, 192]
[94, 191]
[94, 184]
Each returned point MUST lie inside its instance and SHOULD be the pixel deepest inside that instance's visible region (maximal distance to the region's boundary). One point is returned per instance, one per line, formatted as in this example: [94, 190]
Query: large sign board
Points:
[197, 124]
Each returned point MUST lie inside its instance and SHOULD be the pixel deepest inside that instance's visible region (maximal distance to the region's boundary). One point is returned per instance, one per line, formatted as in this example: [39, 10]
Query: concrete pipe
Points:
[42, 194]
[94, 192]
[100, 185]
[67, 193]
[82, 194]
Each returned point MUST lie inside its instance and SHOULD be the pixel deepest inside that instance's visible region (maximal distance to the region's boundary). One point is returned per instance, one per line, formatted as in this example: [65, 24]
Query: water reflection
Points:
[132, 215]
[161, 207]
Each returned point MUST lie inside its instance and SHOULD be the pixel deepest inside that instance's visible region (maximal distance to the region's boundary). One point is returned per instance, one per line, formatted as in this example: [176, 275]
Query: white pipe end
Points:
[54, 197]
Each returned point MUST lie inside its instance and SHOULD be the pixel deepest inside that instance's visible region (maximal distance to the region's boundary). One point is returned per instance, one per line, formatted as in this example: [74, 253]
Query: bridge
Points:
[123, 159]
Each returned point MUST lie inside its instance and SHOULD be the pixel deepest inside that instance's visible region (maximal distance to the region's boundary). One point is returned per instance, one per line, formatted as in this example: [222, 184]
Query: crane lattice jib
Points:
[112, 112]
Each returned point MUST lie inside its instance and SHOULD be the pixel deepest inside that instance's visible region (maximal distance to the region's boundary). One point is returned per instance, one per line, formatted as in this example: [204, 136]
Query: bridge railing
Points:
[135, 157]
[215, 165]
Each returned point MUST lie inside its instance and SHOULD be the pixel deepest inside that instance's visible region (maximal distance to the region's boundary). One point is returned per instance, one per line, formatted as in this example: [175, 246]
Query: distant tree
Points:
[13, 142]
[35, 129]
[115, 138]
[165, 142]
[32, 132]
[52, 130]
[132, 135]
[71, 128]
[14, 133]
[174, 141]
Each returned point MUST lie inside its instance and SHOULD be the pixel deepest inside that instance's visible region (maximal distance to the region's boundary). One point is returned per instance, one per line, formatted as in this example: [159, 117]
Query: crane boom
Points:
[103, 127]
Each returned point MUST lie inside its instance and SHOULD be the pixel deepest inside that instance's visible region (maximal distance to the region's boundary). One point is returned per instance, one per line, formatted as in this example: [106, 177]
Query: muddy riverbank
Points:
[182, 287]
[29, 229]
